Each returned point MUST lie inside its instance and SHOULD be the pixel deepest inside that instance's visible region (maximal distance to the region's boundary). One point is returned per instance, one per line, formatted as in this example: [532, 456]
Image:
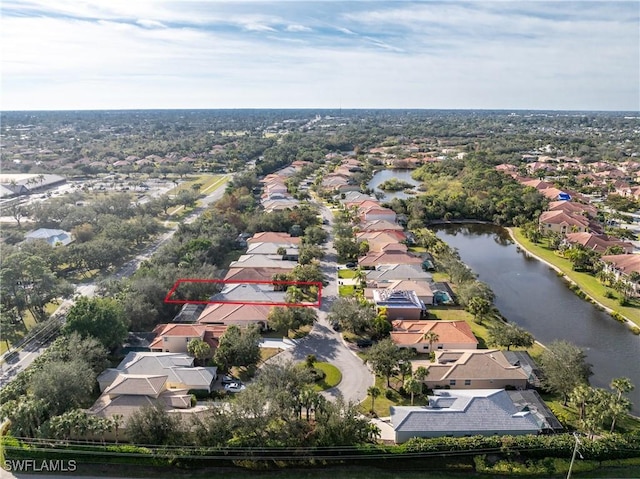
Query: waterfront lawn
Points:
[346, 290]
[587, 282]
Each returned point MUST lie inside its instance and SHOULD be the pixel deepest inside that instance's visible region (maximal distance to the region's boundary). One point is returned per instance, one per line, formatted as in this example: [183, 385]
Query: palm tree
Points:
[579, 397]
[431, 337]
[116, 420]
[617, 408]
[294, 295]
[404, 368]
[622, 385]
[413, 386]
[360, 276]
[374, 392]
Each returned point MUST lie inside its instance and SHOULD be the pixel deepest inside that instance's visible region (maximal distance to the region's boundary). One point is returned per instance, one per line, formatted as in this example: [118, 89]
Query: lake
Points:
[384, 175]
[531, 295]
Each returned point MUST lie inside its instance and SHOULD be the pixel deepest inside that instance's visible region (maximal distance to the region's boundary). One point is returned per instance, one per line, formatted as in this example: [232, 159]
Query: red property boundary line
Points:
[180, 281]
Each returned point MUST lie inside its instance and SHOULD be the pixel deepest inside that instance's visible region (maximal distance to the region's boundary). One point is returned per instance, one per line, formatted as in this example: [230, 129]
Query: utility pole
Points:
[573, 457]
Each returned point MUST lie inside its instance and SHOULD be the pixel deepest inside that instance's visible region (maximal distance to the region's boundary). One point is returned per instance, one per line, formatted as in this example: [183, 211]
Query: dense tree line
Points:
[469, 188]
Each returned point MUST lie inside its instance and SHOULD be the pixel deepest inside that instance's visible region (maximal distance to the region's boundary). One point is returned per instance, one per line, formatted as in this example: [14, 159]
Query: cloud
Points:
[169, 53]
[150, 23]
[298, 28]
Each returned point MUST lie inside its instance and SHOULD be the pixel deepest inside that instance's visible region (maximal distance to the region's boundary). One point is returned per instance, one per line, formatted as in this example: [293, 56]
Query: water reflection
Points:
[532, 295]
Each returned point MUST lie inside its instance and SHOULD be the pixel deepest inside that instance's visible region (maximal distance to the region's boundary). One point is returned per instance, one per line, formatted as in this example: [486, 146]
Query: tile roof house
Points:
[464, 413]
[130, 392]
[380, 237]
[376, 212]
[561, 222]
[373, 259]
[262, 261]
[394, 272]
[250, 293]
[399, 304]
[273, 237]
[598, 242]
[242, 315]
[252, 274]
[624, 266]
[380, 225]
[176, 368]
[472, 369]
[175, 337]
[572, 207]
[273, 248]
[451, 335]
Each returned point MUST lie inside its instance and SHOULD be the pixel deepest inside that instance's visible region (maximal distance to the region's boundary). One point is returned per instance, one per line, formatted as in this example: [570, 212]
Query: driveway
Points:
[327, 344]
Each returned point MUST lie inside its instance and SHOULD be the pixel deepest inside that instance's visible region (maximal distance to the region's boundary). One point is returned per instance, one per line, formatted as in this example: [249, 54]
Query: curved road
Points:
[327, 344]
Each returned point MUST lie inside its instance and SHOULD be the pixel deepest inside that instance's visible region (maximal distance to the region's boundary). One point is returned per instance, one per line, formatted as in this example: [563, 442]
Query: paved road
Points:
[16, 362]
[327, 344]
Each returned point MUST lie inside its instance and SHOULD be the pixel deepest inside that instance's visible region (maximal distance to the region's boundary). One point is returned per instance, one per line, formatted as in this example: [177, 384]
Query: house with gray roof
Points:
[54, 237]
[464, 413]
[249, 293]
[399, 304]
[394, 272]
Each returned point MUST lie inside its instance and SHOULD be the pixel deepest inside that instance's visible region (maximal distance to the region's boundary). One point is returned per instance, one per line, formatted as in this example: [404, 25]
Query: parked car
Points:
[228, 379]
[234, 387]
[364, 343]
[351, 265]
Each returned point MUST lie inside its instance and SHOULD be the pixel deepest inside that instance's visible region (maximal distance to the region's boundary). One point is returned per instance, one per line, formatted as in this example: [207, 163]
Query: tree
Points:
[310, 360]
[199, 349]
[621, 386]
[284, 319]
[564, 367]
[238, 347]
[63, 385]
[352, 315]
[431, 337]
[479, 308]
[384, 358]
[360, 275]
[374, 392]
[579, 398]
[413, 386]
[102, 318]
[507, 335]
[314, 235]
[154, 425]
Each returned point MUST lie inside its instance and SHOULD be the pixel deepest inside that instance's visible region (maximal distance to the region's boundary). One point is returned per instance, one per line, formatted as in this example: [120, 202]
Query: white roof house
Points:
[52, 236]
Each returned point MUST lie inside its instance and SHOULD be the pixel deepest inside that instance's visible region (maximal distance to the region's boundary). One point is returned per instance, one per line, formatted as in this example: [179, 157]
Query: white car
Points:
[234, 387]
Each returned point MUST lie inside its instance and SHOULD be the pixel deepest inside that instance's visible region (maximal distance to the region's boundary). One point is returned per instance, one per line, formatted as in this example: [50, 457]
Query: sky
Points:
[454, 54]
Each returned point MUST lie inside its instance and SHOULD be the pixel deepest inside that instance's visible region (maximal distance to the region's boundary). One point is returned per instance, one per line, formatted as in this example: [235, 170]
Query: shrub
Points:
[635, 330]
[389, 394]
[609, 294]
[622, 301]
[617, 316]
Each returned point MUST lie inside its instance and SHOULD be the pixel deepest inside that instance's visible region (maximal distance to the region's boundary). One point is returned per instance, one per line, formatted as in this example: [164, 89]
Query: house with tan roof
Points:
[373, 259]
[263, 261]
[561, 222]
[252, 274]
[274, 237]
[242, 315]
[131, 392]
[379, 225]
[175, 337]
[597, 242]
[450, 335]
[177, 369]
[381, 237]
[472, 369]
[377, 212]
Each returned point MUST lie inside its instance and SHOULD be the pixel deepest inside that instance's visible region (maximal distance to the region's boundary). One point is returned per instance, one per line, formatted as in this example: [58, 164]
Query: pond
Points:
[383, 175]
[531, 294]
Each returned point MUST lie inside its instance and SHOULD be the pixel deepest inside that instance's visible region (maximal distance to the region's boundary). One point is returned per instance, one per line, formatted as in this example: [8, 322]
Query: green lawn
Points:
[346, 290]
[382, 403]
[346, 274]
[332, 378]
[588, 283]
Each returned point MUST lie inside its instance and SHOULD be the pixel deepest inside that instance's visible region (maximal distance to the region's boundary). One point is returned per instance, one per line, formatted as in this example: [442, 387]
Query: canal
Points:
[531, 294]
